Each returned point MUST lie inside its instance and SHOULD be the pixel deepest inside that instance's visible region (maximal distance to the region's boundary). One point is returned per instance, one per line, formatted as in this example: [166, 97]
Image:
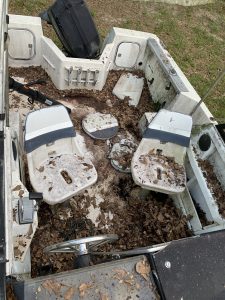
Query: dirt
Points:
[201, 214]
[86, 101]
[213, 184]
[9, 292]
[137, 222]
[114, 204]
[122, 154]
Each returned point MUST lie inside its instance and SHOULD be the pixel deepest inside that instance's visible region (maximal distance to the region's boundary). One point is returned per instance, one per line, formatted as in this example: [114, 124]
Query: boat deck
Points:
[114, 204]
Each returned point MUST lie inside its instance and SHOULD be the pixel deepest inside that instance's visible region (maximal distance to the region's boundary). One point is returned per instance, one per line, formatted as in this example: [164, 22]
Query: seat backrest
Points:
[47, 125]
[168, 126]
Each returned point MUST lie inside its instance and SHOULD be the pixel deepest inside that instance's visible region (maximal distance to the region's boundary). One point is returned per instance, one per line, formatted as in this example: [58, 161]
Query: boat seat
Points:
[158, 163]
[57, 167]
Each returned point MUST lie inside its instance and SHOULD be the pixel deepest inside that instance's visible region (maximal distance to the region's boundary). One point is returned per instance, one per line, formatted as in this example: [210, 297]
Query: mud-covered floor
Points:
[114, 204]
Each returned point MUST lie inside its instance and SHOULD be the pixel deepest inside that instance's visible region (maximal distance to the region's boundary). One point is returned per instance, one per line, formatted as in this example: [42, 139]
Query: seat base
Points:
[158, 173]
[61, 177]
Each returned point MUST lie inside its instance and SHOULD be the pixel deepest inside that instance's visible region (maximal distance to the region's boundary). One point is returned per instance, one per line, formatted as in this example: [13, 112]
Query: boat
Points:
[142, 213]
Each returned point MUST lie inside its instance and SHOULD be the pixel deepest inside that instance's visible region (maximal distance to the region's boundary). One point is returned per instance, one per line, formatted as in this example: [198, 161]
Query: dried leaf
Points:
[69, 293]
[160, 217]
[17, 188]
[138, 286]
[17, 252]
[30, 231]
[41, 169]
[119, 273]
[123, 276]
[104, 296]
[53, 286]
[143, 268]
[20, 194]
[52, 162]
[83, 288]
[129, 281]
[87, 166]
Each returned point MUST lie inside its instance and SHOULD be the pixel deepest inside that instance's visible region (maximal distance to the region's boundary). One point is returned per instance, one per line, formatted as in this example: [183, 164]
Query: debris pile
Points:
[122, 154]
[137, 221]
[213, 184]
[160, 169]
[114, 204]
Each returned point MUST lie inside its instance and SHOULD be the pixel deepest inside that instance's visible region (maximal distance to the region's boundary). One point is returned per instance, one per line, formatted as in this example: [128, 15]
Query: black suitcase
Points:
[75, 28]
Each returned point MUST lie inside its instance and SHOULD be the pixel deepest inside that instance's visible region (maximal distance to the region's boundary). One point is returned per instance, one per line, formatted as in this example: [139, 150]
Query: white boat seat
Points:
[57, 167]
[158, 163]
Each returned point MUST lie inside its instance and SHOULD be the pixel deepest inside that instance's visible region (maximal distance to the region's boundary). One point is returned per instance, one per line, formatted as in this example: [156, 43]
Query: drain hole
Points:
[66, 177]
[204, 142]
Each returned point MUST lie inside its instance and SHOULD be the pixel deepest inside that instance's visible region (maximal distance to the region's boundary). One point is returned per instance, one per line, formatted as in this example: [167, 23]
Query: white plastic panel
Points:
[25, 34]
[129, 86]
[25, 50]
[127, 55]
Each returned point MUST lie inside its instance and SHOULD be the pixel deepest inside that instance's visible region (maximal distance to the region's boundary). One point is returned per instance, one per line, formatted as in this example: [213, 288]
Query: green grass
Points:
[194, 36]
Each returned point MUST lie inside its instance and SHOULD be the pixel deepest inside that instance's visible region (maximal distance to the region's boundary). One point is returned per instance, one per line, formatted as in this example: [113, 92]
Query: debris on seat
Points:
[121, 155]
[158, 163]
[130, 86]
[100, 126]
[56, 164]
